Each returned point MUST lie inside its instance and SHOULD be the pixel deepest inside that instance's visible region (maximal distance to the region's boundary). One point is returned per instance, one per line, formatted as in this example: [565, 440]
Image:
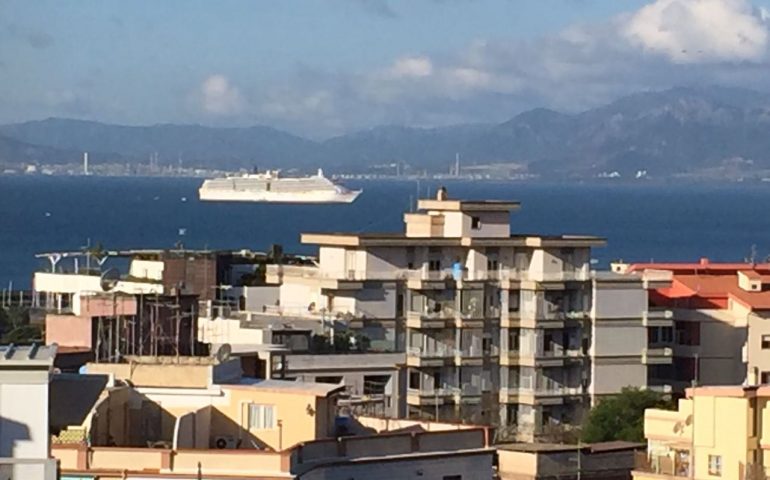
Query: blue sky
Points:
[323, 67]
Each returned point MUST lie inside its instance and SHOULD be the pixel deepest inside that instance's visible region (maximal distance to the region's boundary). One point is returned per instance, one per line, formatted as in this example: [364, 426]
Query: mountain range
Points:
[678, 130]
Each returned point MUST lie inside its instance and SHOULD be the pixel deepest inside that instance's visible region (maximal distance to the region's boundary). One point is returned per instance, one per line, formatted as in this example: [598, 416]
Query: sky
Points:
[320, 68]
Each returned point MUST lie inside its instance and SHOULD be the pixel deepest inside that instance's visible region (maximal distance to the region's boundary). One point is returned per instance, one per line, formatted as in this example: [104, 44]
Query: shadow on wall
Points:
[126, 418]
[225, 433]
[12, 432]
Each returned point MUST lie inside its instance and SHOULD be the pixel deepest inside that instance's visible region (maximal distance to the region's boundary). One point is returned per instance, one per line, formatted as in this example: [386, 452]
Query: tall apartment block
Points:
[496, 328]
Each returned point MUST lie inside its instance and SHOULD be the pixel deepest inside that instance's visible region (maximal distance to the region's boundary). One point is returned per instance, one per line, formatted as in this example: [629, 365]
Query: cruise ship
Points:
[271, 187]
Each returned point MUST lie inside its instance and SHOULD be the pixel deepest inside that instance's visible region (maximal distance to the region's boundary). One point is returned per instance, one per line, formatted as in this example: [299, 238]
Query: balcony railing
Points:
[542, 390]
[440, 351]
[675, 465]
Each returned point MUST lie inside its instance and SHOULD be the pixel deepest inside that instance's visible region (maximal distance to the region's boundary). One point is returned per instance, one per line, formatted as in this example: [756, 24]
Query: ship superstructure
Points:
[271, 187]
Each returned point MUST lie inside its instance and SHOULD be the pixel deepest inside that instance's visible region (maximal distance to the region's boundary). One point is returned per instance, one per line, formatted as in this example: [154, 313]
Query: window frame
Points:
[261, 416]
[715, 465]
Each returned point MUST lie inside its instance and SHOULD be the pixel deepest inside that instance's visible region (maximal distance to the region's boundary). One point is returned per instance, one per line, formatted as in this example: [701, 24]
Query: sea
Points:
[640, 222]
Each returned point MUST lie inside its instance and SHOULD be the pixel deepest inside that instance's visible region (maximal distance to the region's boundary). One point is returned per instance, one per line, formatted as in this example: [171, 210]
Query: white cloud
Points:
[411, 67]
[219, 97]
[695, 31]
[580, 67]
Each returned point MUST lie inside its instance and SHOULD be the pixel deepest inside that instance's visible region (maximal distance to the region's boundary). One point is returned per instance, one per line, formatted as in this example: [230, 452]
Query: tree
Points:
[622, 417]
[16, 328]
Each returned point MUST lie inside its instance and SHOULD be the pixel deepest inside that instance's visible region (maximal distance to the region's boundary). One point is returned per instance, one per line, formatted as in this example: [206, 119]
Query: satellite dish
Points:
[224, 352]
[109, 279]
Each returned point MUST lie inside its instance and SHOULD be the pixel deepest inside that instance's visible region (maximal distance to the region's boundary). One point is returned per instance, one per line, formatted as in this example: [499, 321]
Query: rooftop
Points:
[561, 447]
[703, 266]
[400, 239]
[27, 355]
[716, 290]
[468, 205]
[286, 386]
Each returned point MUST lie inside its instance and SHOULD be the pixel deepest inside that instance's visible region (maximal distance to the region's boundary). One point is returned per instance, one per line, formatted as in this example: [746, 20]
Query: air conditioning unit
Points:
[224, 442]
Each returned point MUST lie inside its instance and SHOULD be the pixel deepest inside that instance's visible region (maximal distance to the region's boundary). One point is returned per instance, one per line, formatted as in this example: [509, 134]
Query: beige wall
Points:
[758, 359]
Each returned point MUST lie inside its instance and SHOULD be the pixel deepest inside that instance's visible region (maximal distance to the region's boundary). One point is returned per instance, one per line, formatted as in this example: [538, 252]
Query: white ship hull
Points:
[277, 197]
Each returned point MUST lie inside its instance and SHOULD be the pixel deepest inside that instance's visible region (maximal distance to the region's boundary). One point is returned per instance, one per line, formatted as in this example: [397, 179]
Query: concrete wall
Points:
[471, 466]
[257, 297]
[492, 224]
[71, 283]
[24, 418]
[381, 260]
[333, 260]
[722, 339]
[609, 379]
[89, 305]
[68, 330]
[618, 302]
[296, 295]
[149, 269]
[223, 330]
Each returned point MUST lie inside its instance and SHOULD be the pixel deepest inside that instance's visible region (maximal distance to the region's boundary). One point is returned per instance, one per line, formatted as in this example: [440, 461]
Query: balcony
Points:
[658, 317]
[674, 465]
[437, 356]
[425, 279]
[429, 320]
[552, 358]
[579, 275]
[657, 355]
[332, 280]
[553, 394]
[431, 396]
[472, 356]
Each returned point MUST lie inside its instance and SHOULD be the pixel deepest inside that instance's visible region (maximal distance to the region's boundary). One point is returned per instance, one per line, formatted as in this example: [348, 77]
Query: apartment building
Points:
[504, 329]
[716, 432]
[721, 321]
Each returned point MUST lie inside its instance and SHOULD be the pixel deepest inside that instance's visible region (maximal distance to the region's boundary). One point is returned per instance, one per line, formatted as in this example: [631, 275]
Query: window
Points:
[715, 465]
[475, 223]
[513, 340]
[513, 301]
[375, 384]
[548, 342]
[765, 342]
[656, 335]
[434, 265]
[261, 417]
[414, 380]
[452, 477]
[765, 378]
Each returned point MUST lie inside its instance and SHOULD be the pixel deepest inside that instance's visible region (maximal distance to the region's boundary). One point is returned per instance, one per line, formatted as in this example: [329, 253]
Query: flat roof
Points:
[27, 355]
[287, 386]
[400, 239]
[598, 447]
[468, 205]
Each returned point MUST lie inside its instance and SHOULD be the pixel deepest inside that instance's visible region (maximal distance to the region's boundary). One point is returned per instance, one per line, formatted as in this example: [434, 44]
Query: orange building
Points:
[721, 331]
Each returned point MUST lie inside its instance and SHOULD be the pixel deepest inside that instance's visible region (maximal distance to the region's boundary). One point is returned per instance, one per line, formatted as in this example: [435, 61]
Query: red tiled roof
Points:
[710, 291]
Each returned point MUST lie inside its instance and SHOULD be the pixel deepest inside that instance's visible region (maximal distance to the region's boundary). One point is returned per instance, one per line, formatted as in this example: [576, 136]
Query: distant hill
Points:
[676, 130]
[194, 144]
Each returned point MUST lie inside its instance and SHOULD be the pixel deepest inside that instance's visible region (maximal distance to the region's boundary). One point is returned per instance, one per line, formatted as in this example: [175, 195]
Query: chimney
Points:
[441, 194]
[704, 261]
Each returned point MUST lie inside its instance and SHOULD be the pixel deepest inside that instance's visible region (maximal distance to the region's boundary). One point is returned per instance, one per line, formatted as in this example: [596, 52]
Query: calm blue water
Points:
[640, 222]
